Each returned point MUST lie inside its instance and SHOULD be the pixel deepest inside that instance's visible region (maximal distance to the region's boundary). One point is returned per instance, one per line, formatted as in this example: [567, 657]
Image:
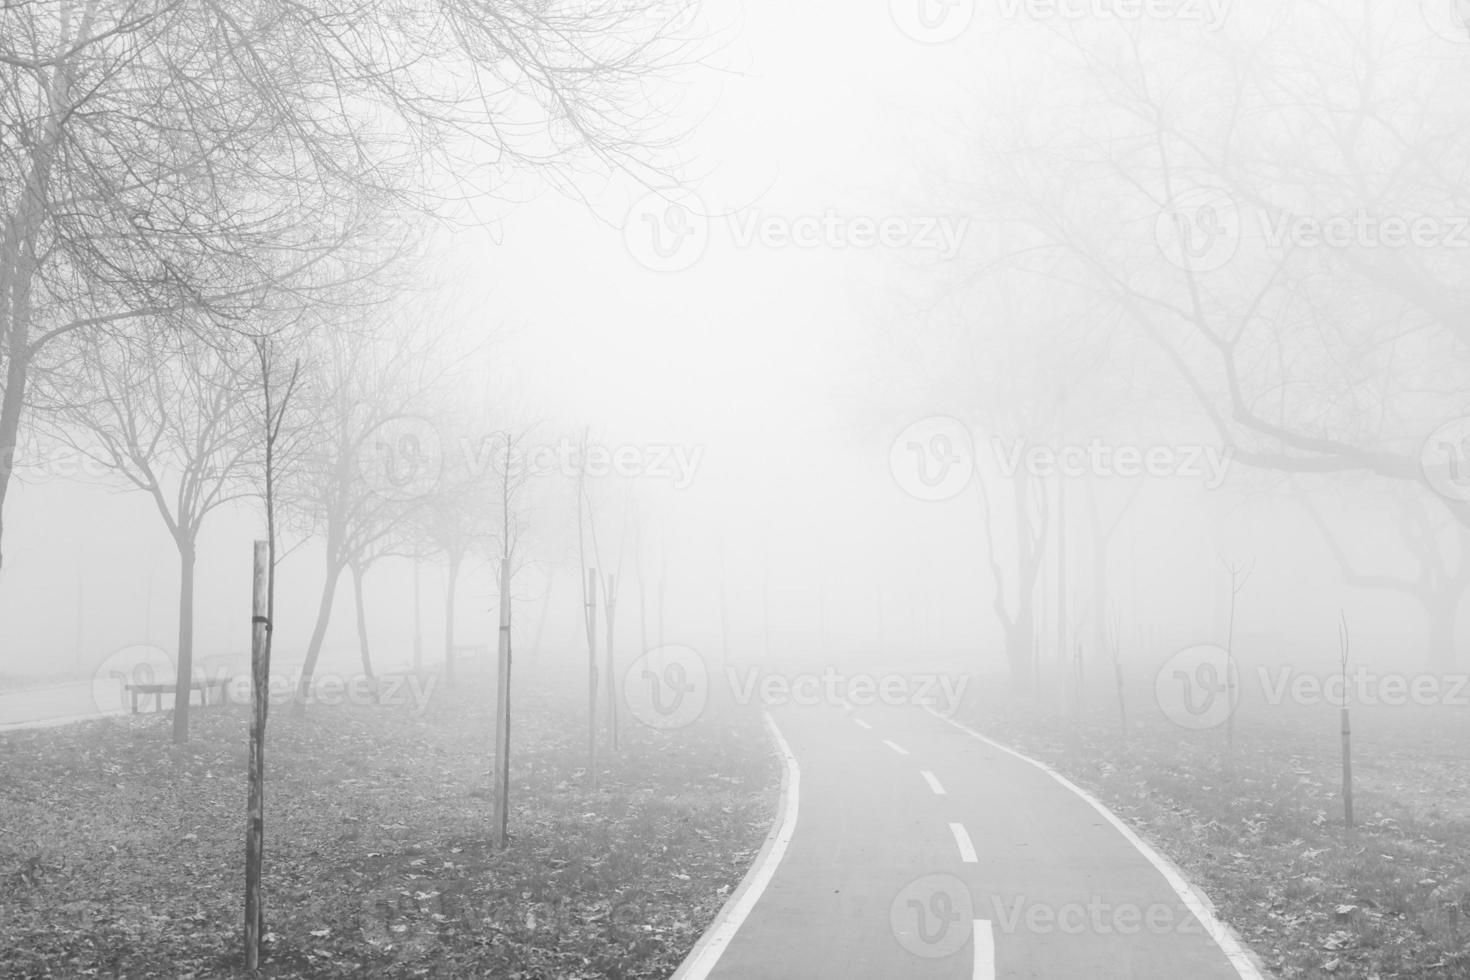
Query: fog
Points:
[735, 488]
[794, 409]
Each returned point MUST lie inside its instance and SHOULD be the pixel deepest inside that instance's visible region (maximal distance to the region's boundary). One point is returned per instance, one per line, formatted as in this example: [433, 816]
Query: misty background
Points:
[792, 374]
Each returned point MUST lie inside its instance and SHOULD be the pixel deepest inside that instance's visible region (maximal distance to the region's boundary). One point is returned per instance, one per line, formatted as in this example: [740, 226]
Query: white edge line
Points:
[984, 940]
[1224, 936]
[707, 951]
[962, 841]
[933, 782]
[896, 747]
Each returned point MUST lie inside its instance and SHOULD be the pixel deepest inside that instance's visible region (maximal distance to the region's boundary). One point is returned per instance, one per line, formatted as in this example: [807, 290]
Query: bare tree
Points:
[168, 416]
[452, 522]
[1015, 605]
[1304, 355]
[371, 462]
[155, 151]
[140, 178]
[1440, 552]
[589, 579]
[276, 393]
[1106, 635]
[512, 473]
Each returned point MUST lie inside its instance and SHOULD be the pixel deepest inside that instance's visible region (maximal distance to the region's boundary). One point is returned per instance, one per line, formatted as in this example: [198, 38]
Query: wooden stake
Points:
[610, 667]
[1114, 632]
[1347, 732]
[822, 616]
[1078, 679]
[501, 819]
[1061, 584]
[1237, 584]
[592, 677]
[255, 817]
[1122, 704]
[418, 628]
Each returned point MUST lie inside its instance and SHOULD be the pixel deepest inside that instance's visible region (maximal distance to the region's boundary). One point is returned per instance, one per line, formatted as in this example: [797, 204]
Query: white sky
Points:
[774, 362]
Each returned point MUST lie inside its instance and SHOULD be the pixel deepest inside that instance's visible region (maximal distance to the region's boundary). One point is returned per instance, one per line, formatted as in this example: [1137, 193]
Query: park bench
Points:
[159, 690]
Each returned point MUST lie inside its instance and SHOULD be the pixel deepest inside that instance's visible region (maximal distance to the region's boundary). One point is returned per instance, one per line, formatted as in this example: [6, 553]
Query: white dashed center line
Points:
[861, 724]
[896, 747]
[962, 841]
[933, 782]
[984, 950]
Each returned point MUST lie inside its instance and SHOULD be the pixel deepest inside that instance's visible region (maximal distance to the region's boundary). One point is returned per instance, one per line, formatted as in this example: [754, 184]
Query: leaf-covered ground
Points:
[1262, 834]
[122, 855]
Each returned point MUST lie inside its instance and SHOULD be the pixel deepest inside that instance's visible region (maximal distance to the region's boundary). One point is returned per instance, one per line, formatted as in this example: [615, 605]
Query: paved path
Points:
[921, 850]
[51, 705]
[60, 704]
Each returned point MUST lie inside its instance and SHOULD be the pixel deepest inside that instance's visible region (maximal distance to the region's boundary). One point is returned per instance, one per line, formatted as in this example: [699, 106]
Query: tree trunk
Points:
[1020, 647]
[18, 264]
[418, 626]
[765, 612]
[1100, 550]
[1442, 613]
[318, 635]
[663, 581]
[545, 610]
[10, 412]
[362, 630]
[610, 662]
[643, 614]
[184, 669]
[591, 620]
[450, 588]
[501, 769]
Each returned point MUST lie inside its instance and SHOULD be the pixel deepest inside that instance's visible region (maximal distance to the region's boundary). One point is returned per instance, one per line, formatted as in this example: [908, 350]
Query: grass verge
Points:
[1259, 826]
[122, 854]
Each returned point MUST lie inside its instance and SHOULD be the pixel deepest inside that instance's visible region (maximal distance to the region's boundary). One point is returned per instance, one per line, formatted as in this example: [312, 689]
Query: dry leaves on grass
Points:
[122, 853]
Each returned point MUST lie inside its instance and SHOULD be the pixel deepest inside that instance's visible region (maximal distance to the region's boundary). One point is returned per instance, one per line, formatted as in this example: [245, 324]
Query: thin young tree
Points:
[512, 471]
[276, 390]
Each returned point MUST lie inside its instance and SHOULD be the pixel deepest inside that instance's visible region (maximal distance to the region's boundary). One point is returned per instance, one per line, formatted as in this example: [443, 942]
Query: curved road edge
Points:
[1246, 963]
[711, 945]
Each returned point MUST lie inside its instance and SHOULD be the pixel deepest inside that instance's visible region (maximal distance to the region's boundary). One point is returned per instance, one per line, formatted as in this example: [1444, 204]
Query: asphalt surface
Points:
[920, 850]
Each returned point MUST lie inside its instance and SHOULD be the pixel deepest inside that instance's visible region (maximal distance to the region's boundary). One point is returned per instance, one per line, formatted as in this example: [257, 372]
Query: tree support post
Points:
[502, 717]
[255, 813]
